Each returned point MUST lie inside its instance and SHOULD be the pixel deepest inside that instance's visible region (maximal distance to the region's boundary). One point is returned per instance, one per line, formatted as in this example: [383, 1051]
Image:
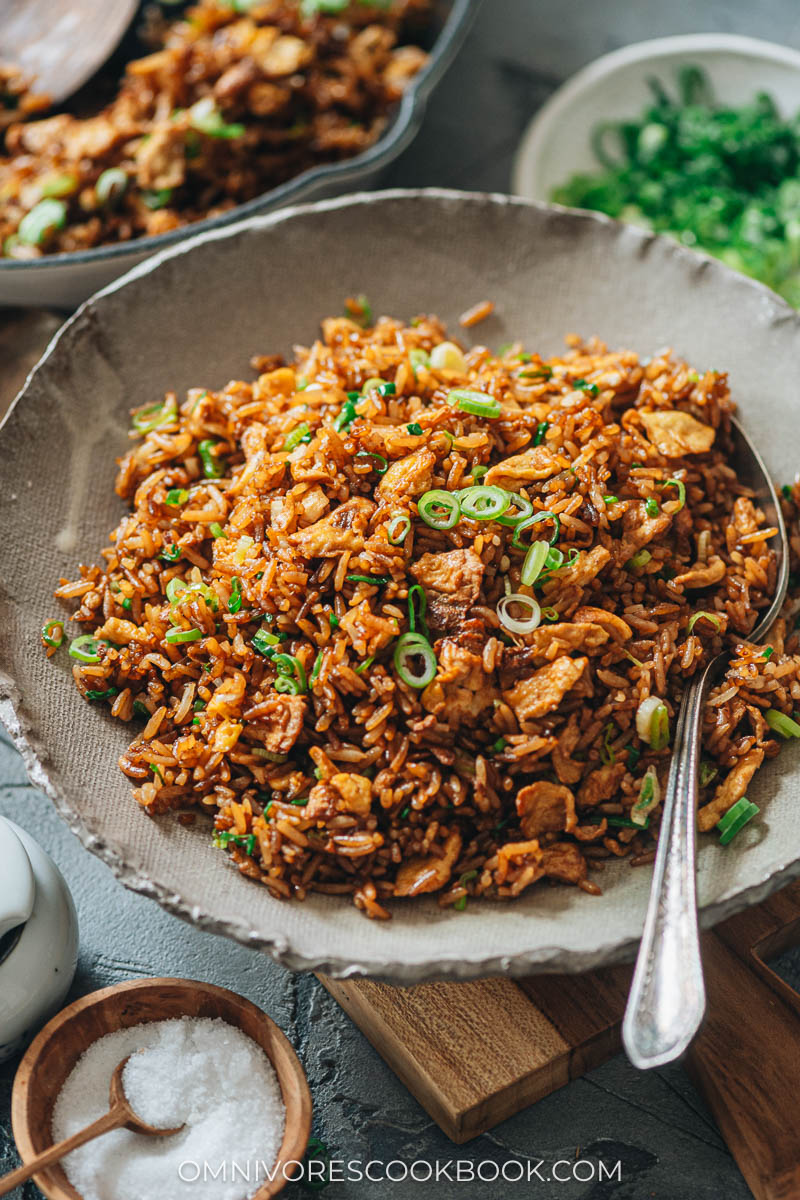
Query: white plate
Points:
[557, 144]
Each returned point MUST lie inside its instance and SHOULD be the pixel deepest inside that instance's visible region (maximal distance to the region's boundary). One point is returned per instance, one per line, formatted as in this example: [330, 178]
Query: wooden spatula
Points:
[62, 42]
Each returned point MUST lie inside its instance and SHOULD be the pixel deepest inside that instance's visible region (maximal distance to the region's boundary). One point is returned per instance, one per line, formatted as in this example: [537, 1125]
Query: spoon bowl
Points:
[119, 1102]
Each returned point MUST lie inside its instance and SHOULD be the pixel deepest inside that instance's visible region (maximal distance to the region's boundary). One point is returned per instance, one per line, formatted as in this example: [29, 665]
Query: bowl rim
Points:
[408, 114]
[287, 1066]
[557, 106]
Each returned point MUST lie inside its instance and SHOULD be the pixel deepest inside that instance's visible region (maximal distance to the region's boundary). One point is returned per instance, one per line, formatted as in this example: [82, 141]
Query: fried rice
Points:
[235, 99]
[403, 618]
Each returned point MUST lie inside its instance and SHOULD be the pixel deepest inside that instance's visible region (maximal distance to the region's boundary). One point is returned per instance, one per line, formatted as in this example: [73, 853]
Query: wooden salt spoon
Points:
[119, 1114]
[61, 43]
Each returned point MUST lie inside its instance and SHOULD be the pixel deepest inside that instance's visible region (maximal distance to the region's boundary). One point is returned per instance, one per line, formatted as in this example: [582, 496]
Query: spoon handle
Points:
[667, 999]
[113, 1119]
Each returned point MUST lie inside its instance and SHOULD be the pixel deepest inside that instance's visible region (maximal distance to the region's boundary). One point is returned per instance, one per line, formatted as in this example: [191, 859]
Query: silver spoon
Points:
[667, 999]
[62, 42]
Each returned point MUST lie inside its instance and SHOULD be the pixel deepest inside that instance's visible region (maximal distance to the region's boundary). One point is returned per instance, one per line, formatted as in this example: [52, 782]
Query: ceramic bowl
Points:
[64, 280]
[193, 317]
[55, 1051]
[557, 143]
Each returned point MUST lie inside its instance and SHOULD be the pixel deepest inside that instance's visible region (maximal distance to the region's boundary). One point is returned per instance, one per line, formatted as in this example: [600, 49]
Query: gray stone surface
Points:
[655, 1124]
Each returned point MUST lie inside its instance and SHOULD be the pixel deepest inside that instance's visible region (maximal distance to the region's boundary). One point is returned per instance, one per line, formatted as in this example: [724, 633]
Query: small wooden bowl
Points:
[54, 1052]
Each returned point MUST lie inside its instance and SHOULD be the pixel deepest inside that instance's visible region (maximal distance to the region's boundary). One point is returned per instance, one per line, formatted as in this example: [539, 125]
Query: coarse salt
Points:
[196, 1071]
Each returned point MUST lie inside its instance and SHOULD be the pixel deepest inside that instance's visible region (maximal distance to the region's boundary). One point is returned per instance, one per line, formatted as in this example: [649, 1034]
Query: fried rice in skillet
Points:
[403, 618]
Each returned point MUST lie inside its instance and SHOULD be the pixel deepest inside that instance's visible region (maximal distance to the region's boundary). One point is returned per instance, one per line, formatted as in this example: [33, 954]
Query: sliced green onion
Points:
[476, 403]
[111, 185]
[651, 507]
[715, 621]
[51, 639]
[530, 521]
[300, 433]
[776, 720]
[381, 466]
[415, 428]
[154, 767]
[417, 616]
[42, 221]
[478, 472]
[652, 722]
[460, 904]
[141, 709]
[265, 642]
[534, 561]
[555, 559]
[583, 386]
[174, 636]
[213, 467]
[419, 358]
[412, 646]
[524, 510]
[175, 589]
[367, 663]
[398, 529]
[649, 797]
[85, 648]
[235, 601]
[499, 746]
[153, 416]
[381, 386]
[708, 771]
[333, 620]
[316, 668]
[611, 499]
[680, 485]
[768, 652]
[550, 614]
[347, 415]
[291, 668]
[375, 580]
[633, 756]
[159, 198]
[541, 430]
[177, 496]
[512, 624]
[216, 530]
[735, 819]
[60, 185]
[205, 117]
[446, 504]
[482, 503]
[102, 694]
[640, 559]
[607, 754]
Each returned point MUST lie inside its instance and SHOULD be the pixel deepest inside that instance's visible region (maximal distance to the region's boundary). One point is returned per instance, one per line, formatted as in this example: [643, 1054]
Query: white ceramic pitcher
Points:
[38, 937]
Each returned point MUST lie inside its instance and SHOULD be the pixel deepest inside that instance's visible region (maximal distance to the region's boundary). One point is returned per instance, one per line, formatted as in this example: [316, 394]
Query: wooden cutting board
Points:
[475, 1053]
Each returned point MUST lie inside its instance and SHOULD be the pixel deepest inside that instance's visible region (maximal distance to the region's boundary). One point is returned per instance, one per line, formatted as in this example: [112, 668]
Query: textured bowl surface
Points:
[193, 316]
[64, 280]
[557, 143]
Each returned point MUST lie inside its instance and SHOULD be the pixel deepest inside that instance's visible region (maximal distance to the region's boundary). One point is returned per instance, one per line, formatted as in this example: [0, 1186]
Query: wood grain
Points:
[475, 1053]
